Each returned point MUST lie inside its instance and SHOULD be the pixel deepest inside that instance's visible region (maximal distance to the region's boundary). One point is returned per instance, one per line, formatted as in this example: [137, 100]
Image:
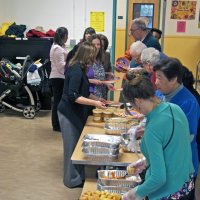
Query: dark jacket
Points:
[151, 41]
[76, 84]
[71, 54]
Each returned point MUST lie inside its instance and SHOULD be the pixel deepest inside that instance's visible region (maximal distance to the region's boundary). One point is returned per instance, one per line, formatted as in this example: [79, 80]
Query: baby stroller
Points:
[14, 90]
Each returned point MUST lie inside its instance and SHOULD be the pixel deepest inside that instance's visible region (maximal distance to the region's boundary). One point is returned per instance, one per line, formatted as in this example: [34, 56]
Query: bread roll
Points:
[131, 170]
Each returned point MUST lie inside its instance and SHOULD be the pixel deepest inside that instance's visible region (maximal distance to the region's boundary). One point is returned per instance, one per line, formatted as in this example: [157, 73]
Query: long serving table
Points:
[78, 157]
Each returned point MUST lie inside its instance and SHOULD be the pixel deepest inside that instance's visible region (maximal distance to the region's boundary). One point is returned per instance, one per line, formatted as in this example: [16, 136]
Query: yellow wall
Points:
[185, 48]
[120, 43]
[119, 51]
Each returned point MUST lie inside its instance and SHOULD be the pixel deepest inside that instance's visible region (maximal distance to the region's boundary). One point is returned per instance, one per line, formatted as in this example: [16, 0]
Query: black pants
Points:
[57, 87]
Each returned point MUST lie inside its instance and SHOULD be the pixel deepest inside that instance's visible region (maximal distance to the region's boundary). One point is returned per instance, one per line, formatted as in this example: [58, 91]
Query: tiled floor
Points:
[31, 160]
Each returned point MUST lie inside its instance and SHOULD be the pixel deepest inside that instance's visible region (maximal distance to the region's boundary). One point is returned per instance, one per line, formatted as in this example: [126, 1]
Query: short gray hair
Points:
[139, 23]
[150, 55]
[137, 47]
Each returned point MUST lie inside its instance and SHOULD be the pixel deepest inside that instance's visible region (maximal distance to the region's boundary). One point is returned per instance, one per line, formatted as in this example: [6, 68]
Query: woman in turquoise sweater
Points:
[165, 145]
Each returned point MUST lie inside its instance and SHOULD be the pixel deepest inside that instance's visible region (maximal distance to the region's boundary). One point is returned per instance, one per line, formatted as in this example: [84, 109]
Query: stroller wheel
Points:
[29, 112]
[2, 108]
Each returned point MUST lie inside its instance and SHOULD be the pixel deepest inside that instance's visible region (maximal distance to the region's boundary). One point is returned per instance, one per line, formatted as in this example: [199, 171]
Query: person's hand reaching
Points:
[100, 104]
[137, 167]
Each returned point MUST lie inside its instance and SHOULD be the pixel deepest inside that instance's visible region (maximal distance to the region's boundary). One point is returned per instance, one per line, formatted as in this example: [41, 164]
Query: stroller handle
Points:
[9, 68]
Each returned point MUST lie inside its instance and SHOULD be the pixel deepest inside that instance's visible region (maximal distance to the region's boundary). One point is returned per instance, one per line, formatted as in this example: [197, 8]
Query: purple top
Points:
[90, 75]
[96, 71]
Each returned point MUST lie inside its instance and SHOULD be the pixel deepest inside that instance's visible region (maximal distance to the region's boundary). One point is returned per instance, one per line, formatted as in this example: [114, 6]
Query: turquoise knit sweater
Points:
[170, 168]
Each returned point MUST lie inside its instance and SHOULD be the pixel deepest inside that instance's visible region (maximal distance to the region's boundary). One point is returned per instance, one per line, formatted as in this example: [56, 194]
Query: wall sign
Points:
[97, 21]
[181, 26]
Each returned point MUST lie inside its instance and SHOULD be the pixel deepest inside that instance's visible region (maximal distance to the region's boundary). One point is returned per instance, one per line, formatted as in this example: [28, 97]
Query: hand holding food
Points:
[100, 104]
[137, 167]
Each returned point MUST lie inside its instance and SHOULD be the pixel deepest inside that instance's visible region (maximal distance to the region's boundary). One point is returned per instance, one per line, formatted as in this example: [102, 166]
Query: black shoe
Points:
[57, 129]
[79, 186]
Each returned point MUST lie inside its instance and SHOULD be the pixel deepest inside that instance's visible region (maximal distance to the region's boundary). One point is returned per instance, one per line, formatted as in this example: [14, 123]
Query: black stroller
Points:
[15, 93]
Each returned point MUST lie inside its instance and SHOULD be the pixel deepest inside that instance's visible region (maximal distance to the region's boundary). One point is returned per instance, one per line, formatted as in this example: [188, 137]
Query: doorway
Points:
[149, 9]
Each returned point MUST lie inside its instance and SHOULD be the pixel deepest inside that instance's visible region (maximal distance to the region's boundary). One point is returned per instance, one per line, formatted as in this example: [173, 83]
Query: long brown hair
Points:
[99, 56]
[85, 54]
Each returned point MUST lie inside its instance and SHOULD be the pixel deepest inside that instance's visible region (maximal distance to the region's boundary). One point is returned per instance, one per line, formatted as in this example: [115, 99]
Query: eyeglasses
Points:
[132, 31]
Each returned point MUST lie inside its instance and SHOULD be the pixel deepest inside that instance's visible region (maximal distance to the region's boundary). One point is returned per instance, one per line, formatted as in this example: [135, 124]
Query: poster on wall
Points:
[183, 10]
[97, 21]
[181, 26]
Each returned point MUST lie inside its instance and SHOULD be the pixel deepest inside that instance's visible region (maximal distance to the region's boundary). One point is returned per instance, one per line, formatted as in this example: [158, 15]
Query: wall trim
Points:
[180, 36]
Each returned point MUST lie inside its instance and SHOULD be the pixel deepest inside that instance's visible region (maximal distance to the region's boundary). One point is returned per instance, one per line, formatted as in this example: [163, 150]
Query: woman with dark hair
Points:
[169, 84]
[58, 55]
[96, 72]
[87, 33]
[166, 176]
[73, 109]
[188, 82]
[106, 54]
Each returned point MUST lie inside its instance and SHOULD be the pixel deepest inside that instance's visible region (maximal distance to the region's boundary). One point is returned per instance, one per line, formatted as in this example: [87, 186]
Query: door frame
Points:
[129, 11]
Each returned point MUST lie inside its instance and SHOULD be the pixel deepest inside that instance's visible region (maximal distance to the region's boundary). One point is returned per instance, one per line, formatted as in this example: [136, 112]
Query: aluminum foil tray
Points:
[116, 125]
[100, 151]
[102, 157]
[93, 140]
[117, 178]
[113, 189]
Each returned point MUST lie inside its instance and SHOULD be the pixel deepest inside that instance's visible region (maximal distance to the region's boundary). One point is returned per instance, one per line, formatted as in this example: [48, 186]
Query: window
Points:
[144, 10]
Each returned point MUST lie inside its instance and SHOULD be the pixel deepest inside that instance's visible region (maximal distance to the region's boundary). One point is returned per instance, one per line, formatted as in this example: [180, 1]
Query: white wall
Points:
[121, 11]
[73, 14]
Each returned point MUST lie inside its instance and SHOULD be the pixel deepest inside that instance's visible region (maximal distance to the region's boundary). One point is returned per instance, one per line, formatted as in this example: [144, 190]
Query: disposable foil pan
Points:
[108, 141]
[117, 178]
[113, 189]
[101, 157]
[116, 125]
[100, 150]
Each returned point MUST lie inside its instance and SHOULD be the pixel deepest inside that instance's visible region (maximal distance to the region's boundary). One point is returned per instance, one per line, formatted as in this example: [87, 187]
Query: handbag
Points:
[46, 88]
